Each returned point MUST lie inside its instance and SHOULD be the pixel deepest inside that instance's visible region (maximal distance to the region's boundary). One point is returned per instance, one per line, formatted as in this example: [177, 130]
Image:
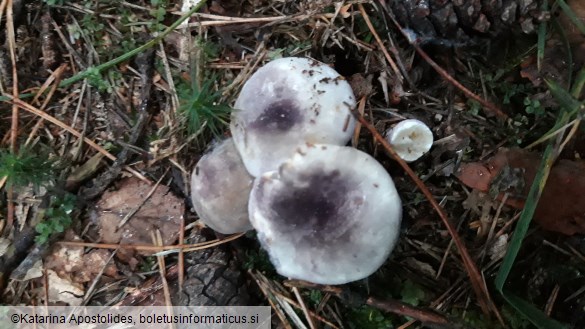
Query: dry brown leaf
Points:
[64, 290]
[93, 263]
[561, 207]
[65, 260]
[72, 262]
[162, 211]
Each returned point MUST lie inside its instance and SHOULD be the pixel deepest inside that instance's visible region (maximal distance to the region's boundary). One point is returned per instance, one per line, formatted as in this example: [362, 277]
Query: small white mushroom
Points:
[286, 103]
[410, 138]
[329, 215]
[220, 188]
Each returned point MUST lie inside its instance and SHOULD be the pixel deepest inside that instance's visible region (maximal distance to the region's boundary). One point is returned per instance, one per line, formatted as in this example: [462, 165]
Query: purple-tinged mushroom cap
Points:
[329, 215]
[220, 188]
[286, 103]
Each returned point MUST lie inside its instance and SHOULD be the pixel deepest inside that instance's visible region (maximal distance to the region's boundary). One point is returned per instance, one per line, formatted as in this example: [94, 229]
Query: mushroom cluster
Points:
[325, 212]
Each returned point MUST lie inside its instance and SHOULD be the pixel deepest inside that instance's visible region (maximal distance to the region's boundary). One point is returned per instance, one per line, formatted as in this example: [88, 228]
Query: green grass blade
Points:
[536, 316]
[525, 218]
[569, 108]
[565, 99]
[571, 14]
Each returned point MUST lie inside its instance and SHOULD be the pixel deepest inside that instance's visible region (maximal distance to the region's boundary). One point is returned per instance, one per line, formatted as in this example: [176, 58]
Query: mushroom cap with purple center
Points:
[286, 103]
[220, 188]
[329, 215]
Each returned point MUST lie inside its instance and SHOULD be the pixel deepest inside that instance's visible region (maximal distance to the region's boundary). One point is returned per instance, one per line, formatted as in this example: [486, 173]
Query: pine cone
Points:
[463, 20]
[213, 278]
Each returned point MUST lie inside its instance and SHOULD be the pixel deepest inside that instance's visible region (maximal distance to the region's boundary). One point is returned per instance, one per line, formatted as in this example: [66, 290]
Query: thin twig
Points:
[303, 307]
[27, 107]
[14, 124]
[392, 306]
[135, 210]
[184, 247]
[181, 261]
[379, 41]
[487, 104]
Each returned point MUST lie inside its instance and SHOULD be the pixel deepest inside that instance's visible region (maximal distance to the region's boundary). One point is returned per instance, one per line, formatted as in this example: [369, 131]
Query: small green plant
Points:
[315, 297]
[158, 12]
[412, 293]
[57, 217]
[25, 168]
[259, 260]
[201, 107]
[366, 317]
[473, 319]
[533, 106]
[148, 264]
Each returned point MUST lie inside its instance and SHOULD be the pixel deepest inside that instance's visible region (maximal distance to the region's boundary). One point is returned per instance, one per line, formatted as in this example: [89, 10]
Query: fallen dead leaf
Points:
[4, 245]
[561, 207]
[35, 271]
[72, 262]
[65, 260]
[162, 212]
[64, 290]
[93, 263]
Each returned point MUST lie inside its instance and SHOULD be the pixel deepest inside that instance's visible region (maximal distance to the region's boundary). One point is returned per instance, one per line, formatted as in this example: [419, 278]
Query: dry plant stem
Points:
[397, 307]
[576, 254]
[379, 41]
[472, 270]
[303, 307]
[181, 261]
[258, 278]
[147, 289]
[29, 108]
[392, 306]
[312, 313]
[551, 300]
[162, 268]
[96, 280]
[488, 105]
[358, 126]
[14, 124]
[135, 210]
[12, 48]
[54, 77]
[184, 247]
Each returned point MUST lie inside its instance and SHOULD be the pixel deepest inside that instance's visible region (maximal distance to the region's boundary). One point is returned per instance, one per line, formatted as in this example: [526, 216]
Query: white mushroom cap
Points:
[220, 188]
[410, 138]
[329, 215]
[286, 103]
